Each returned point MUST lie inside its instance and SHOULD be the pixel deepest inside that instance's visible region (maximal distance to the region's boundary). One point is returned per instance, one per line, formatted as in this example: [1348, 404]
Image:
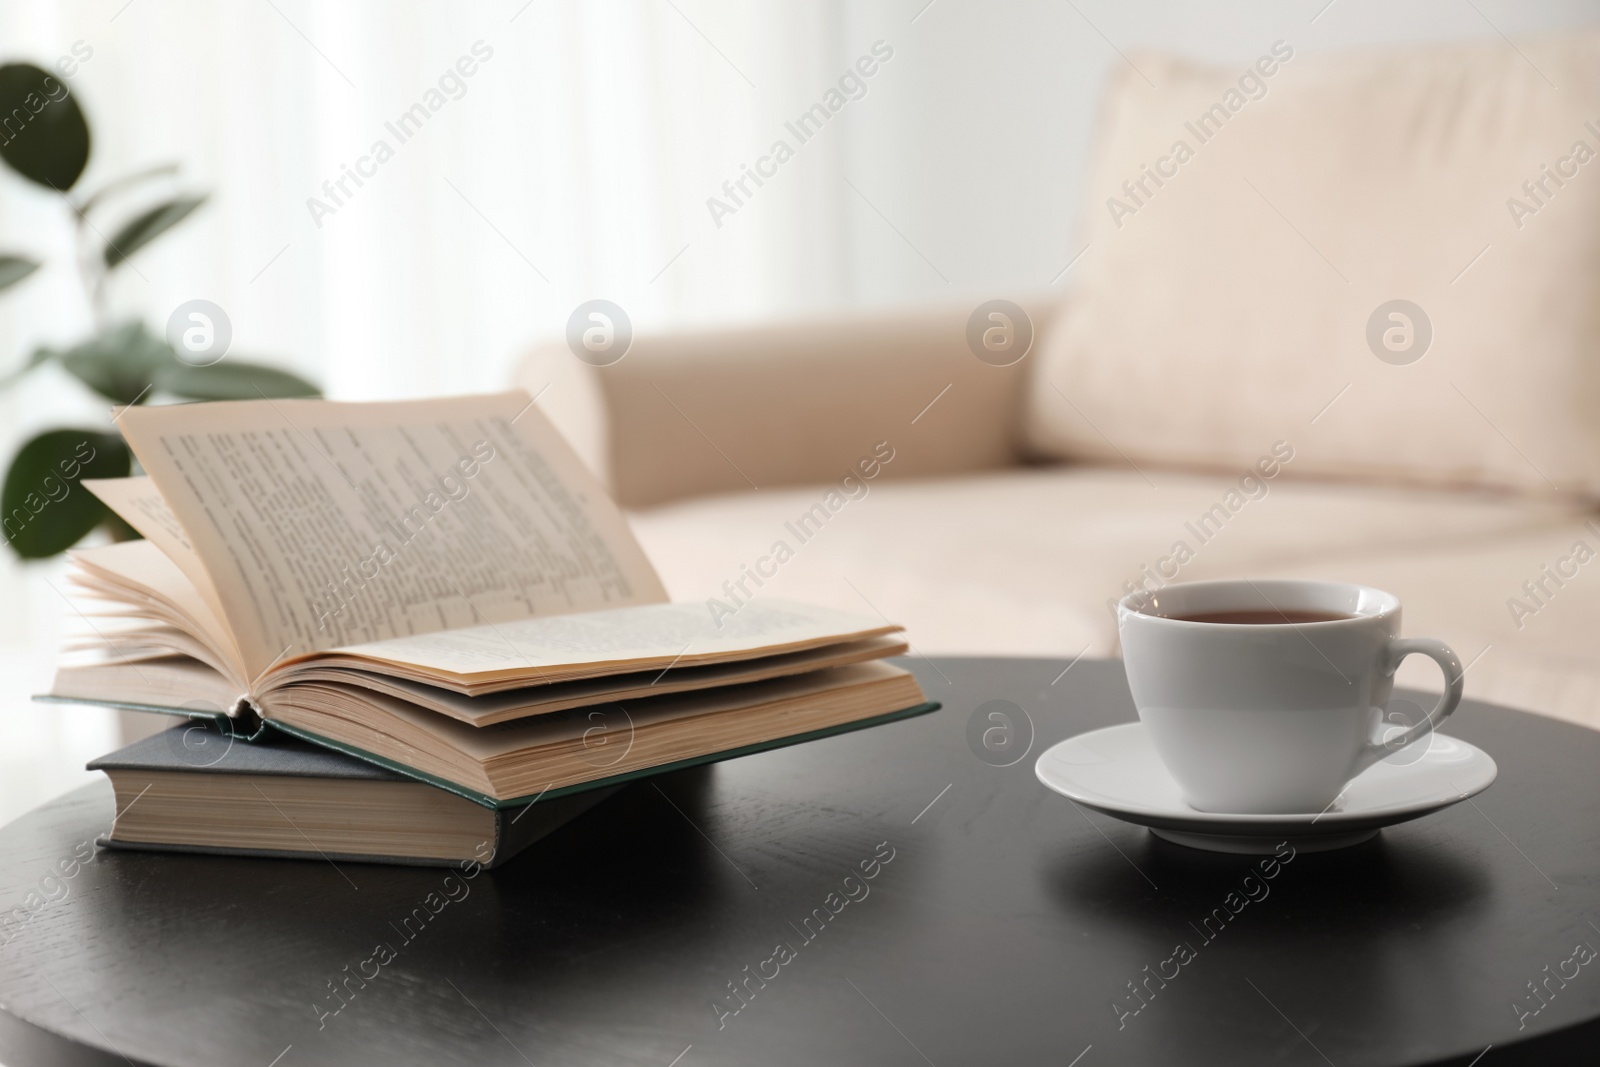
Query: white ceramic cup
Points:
[1271, 718]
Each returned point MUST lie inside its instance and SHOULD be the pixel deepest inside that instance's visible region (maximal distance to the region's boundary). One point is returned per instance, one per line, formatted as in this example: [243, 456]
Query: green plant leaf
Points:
[43, 507]
[149, 225]
[47, 136]
[15, 268]
[121, 364]
[231, 379]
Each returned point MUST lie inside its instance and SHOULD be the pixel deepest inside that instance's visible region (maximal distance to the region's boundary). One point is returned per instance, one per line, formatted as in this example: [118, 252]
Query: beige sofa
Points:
[1187, 389]
[977, 551]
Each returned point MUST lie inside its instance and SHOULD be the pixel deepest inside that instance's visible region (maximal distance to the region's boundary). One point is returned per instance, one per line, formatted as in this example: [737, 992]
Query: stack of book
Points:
[409, 628]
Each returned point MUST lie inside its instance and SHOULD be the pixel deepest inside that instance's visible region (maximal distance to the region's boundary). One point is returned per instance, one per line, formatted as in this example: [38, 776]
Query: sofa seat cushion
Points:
[1522, 610]
[1024, 562]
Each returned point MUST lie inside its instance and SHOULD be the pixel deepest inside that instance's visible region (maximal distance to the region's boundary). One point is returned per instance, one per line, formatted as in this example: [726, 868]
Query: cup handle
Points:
[1449, 663]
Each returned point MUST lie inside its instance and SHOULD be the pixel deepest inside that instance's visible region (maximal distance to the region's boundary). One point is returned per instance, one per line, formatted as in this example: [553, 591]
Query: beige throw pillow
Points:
[1389, 260]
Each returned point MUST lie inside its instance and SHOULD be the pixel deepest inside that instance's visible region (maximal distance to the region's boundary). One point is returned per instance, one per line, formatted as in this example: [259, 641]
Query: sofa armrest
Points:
[725, 410]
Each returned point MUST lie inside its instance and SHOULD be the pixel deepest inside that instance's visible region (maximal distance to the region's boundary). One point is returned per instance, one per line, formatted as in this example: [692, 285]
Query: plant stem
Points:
[92, 271]
[123, 182]
[93, 280]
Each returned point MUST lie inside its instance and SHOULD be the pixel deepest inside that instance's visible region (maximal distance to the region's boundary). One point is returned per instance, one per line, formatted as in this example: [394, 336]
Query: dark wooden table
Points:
[1000, 925]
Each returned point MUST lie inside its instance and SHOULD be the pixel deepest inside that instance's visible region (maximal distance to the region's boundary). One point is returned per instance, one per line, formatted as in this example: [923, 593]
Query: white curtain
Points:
[573, 162]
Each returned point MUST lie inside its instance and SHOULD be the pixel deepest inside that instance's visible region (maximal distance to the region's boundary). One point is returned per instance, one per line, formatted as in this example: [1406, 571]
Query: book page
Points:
[396, 729]
[503, 705]
[634, 638]
[169, 682]
[138, 503]
[325, 524]
[139, 573]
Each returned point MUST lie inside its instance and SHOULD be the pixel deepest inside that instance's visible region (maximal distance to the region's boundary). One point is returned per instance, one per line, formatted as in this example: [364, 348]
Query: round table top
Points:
[890, 896]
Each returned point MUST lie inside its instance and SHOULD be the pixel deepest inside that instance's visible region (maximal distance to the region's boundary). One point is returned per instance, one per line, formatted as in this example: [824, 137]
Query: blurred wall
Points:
[976, 149]
[582, 158]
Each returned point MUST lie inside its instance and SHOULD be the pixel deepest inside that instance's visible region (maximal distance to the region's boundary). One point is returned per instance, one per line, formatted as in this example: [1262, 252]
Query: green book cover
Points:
[263, 728]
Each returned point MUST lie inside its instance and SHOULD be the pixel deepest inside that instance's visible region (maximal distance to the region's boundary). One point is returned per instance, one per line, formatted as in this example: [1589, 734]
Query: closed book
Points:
[197, 788]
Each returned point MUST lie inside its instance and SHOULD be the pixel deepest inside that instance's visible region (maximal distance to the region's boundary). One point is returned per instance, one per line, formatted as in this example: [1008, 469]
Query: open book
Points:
[440, 587]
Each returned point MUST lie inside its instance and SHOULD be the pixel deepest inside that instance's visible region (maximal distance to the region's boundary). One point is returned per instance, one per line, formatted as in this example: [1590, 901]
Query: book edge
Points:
[516, 802]
[509, 842]
[619, 779]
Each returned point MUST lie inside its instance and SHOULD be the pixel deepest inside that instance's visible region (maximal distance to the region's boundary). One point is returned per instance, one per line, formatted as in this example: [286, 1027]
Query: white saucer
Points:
[1116, 771]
